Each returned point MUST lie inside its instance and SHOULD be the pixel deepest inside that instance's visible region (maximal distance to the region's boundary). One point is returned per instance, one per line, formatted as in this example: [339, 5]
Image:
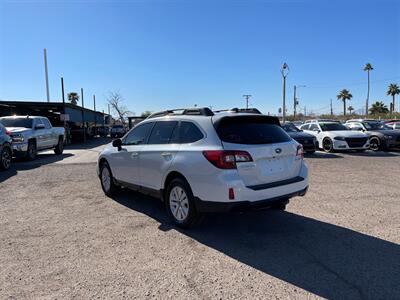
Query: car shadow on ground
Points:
[19, 164]
[320, 154]
[325, 259]
[91, 143]
[370, 153]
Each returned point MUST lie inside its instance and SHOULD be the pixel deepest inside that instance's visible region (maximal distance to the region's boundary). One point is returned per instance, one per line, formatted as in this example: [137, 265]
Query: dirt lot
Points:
[62, 238]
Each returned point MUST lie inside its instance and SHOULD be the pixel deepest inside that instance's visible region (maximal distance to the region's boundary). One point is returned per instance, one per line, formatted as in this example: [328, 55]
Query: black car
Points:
[381, 137]
[309, 142]
[5, 149]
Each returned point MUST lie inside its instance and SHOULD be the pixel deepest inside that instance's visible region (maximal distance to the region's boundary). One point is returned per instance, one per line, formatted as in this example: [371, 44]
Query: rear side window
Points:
[46, 123]
[189, 133]
[138, 135]
[251, 131]
[305, 127]
[162, 132]
[314, 127]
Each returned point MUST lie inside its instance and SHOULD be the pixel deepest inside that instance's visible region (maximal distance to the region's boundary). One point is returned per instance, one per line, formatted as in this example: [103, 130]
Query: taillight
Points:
[223, 159]
[8, 132]
[300, 152]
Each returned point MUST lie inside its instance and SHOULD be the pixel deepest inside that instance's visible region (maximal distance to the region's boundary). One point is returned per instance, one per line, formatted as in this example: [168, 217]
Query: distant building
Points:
[133, 121]
[72, 117]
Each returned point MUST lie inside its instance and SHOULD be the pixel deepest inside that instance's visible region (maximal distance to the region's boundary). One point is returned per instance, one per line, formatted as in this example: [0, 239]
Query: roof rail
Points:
[241, 110]
[202, 111]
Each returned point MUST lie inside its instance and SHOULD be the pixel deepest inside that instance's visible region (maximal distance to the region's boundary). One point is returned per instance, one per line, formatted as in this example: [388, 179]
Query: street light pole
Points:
[284, 72]
[46, 74]
[83, 117]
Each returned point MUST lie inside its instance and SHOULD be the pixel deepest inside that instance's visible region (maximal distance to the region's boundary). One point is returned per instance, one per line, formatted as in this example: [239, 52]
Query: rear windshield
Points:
[16, 122]
[290, 128]
[251, 131]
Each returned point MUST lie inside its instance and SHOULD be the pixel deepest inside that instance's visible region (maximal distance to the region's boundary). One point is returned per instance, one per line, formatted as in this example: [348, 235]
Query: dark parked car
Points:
[117, 131]
[309, 142]
[5, 148]
[381, 137]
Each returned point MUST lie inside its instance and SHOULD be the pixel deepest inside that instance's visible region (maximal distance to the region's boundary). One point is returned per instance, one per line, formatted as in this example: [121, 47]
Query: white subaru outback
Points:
[198, 161]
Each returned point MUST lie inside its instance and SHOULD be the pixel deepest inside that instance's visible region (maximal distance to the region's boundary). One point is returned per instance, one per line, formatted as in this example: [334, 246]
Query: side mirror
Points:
[39, 126]
[117, 143]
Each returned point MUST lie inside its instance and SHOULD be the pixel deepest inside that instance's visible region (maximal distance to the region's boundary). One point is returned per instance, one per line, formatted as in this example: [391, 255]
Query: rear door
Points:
[40, 133]
[271, 148]
[50, 138]
[157, 155]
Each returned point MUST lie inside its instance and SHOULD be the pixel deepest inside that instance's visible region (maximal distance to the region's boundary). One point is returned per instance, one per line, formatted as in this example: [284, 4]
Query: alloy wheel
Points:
[374, 144]
[179, 203]
[6, 158]
[106, 179]
[327, 145]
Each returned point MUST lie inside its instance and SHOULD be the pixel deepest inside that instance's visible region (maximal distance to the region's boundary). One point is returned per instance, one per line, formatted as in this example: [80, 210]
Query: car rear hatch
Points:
[273, 152]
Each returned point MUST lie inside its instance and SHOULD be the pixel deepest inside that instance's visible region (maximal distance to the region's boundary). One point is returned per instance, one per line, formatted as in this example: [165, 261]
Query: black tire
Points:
[375, 144]
[32, 150]
[280, 205]
[191, 216]
[327, 145]
[60, 146]
[111, 188]
[5, 158]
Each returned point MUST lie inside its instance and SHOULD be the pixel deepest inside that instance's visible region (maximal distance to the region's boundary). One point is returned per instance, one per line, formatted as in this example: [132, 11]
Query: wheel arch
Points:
[171, 175]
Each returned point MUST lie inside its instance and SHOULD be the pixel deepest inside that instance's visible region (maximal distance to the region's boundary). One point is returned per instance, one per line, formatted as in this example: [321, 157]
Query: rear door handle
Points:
[166, 154]
[134, 154]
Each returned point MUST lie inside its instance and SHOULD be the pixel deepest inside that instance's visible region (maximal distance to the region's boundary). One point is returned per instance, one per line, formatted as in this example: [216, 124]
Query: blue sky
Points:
[165, 54]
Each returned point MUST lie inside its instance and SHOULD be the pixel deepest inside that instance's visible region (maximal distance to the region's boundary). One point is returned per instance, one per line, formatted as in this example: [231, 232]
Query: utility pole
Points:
[62, 90]
[284, 72]
[294, 104]
[46, 75]
[331, 108]
[95, 114]
[63, 100]
[305, 110]
[83, 117]
[247, 97]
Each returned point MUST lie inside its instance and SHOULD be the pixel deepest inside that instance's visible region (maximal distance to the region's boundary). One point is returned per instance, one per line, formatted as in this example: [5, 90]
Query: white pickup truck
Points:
[31, 134]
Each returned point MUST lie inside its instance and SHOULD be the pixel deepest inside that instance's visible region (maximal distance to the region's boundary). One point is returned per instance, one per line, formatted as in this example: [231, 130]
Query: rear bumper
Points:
[211, 206]
[308, 145]
[215, 187]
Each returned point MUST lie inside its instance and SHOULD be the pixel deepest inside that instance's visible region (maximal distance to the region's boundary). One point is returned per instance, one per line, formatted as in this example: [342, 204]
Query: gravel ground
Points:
[62, 238]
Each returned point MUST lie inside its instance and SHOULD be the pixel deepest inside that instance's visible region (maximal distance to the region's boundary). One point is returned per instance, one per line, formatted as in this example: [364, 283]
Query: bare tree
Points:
[118, 107]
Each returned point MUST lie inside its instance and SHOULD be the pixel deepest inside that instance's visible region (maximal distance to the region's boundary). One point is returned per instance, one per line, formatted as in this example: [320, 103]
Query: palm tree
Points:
[344, 95]
[368, 67]
[378, 108]
[350, 108]
[73, 98]
[393, 90]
